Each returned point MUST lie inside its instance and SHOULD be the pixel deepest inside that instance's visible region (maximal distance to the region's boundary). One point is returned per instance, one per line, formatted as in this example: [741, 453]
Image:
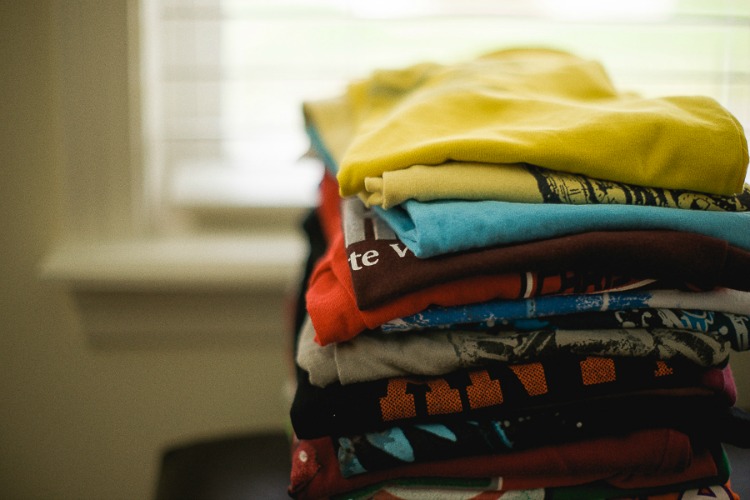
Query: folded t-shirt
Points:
[530, 184]
[542, 107]
[641, 459]
[374, 355]
[493, 391]
[444, 226]
[491, 312]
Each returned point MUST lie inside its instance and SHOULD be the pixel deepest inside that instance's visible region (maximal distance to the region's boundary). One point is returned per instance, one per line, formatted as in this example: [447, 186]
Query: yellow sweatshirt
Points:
[537, 106]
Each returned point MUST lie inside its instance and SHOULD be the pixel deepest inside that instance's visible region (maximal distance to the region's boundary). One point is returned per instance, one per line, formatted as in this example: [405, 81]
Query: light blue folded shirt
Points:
[439, 227]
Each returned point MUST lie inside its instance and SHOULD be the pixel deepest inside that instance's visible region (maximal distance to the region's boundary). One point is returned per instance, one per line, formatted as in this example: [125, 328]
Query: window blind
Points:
[225, 79]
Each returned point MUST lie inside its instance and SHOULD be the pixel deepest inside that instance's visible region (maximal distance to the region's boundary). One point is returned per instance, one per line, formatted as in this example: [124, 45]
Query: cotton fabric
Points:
[542, 107]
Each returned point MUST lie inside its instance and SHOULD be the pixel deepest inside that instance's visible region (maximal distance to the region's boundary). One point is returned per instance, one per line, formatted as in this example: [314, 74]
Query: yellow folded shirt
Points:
[530, 184]
[535, 106]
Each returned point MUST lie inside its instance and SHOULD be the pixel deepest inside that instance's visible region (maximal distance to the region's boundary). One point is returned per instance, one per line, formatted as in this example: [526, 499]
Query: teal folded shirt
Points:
[440, 227]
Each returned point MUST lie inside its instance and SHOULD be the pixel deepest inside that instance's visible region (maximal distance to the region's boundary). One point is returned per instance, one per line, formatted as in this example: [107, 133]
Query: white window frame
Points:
[132, 281]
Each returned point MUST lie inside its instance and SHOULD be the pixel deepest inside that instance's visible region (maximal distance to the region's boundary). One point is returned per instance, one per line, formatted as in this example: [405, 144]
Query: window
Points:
[182, 123]
[227, 77]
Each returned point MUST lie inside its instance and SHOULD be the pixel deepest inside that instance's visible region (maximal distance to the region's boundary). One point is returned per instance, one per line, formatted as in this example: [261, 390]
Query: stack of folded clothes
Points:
[522, 284]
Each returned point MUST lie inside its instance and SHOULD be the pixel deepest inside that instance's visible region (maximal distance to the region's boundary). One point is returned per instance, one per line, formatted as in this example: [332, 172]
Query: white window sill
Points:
[181, 291]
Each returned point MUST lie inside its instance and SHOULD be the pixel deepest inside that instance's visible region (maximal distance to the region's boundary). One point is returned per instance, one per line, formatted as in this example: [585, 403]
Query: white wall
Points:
[77, 421]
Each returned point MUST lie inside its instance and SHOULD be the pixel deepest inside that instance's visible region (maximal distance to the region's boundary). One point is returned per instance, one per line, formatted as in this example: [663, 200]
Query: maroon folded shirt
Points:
[645, 458]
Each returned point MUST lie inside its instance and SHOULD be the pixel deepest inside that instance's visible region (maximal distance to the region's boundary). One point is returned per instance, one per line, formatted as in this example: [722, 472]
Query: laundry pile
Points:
[522, 283]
